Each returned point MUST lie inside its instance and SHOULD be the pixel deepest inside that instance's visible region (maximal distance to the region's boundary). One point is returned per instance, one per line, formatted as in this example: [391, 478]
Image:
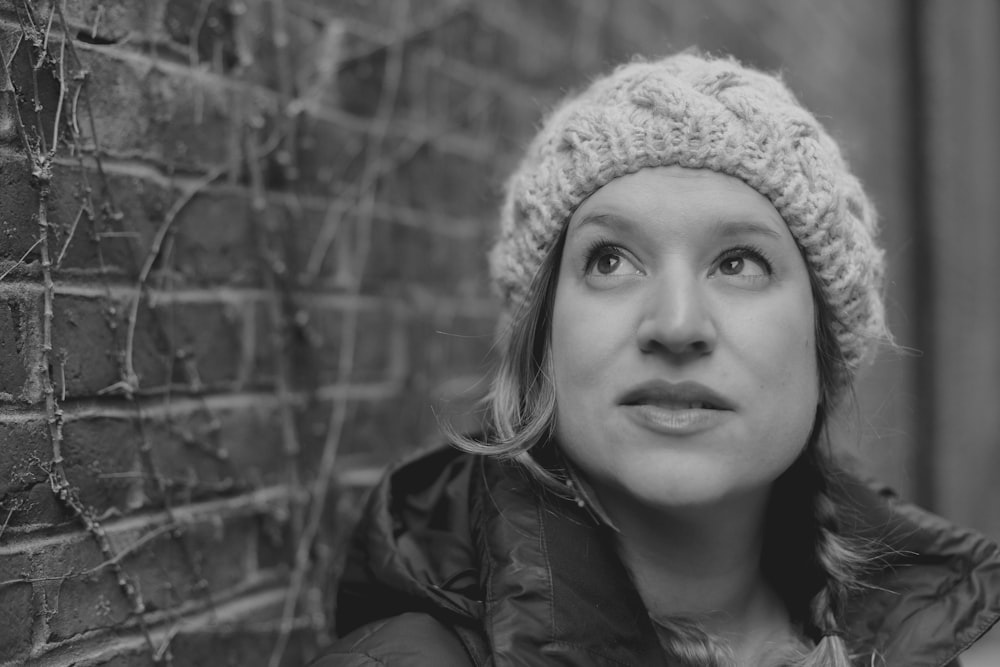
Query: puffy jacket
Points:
[458, 561]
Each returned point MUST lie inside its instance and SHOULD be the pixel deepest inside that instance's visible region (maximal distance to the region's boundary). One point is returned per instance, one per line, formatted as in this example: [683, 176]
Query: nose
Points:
[677, 318]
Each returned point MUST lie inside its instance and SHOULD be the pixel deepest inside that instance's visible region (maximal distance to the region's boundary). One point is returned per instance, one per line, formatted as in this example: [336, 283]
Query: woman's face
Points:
[682, 341]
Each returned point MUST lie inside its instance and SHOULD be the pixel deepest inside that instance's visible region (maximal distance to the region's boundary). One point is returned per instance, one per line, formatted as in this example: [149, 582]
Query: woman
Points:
[691, 280]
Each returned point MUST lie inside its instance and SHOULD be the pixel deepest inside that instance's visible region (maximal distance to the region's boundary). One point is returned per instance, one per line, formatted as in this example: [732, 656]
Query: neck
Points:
[702, 561]
[704, 564]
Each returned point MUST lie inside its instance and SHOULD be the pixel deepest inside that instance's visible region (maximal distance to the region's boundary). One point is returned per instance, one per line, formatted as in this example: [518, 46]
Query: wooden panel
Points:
[963, 89]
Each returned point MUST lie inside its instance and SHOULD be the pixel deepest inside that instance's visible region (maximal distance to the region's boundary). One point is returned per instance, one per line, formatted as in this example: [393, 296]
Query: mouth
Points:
[678, 410]
[675, 396]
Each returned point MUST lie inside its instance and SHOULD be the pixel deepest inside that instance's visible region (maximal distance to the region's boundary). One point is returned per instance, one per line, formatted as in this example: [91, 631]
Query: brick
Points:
[35, 507]
[26, 498]
[447, 341]
[16, 621]
[383, 430]
[213, 450]
[194, 346]
[107, 21]
[206, 557]
[101, 460]
[304, 62]
[17, 206]
[112, 219]
[427, 179]
[71, 190]
[135, 655]
[378, 14]
[88, 340]
[330, 155]
[207, 29]
[9, 133]
[360, 83]
[448, 260]
[168, 571]
[20, 348]
[192, 455]
[76, 552]
[24, 451]
[227, 38]
[212, 240]
[379, 350]
[82, 603]
[169, 116]
[31, 82]
[429, 92]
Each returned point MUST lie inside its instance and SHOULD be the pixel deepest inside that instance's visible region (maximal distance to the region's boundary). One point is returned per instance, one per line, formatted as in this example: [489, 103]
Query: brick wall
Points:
[240, 260]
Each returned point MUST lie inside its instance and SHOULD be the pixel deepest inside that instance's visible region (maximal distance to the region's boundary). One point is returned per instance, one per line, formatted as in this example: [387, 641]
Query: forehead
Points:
[665, 194]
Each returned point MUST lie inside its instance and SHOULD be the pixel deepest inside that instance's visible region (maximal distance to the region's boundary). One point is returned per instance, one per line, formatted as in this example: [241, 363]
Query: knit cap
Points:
[701, 112]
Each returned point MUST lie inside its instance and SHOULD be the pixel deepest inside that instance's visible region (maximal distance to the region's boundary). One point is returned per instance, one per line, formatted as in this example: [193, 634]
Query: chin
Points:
[690, 486]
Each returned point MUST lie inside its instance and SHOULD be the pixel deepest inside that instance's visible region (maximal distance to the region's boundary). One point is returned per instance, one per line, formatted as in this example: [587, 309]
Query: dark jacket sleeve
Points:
[409, 640]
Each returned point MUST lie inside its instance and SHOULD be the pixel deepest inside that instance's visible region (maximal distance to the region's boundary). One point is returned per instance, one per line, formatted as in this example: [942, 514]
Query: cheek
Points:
[783, 351]
[587, 343]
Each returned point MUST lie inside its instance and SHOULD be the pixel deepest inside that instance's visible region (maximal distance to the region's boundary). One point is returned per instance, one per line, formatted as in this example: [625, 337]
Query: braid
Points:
[685, 643]
[841, 562]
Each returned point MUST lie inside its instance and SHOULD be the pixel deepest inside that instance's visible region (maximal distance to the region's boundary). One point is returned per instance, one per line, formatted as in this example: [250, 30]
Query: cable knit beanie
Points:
[702, 113]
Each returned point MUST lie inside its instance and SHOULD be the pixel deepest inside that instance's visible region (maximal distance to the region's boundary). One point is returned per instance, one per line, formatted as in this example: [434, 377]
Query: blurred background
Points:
[242, 269]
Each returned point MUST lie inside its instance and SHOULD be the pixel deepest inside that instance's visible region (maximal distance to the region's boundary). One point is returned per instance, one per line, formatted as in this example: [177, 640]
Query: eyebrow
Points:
[729, 228]
[605, 220]
[723, 228]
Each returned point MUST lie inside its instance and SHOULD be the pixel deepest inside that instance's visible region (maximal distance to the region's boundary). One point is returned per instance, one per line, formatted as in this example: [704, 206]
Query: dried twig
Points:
[21, 260]
[41, 168]
[324, 473]
[130, 383]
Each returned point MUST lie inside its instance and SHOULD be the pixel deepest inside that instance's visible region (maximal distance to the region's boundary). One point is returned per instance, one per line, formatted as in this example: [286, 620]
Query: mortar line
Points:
[453, 226]
[159, 407]
[226, 614]
[246, 504]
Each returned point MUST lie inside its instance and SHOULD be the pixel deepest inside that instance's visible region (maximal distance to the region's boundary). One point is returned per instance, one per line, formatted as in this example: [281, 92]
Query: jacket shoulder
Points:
[407, 640]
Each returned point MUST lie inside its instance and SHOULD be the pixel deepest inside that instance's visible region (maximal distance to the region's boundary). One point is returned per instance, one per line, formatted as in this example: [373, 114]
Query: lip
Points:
[675, 396]
[676, 409]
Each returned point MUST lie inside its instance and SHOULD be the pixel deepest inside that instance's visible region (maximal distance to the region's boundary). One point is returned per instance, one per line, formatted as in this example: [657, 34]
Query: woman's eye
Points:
[610, 261]
[734, 266]
[744, 263]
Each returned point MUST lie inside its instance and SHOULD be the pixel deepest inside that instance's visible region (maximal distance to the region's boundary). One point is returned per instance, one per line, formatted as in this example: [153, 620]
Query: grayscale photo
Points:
[499, 333]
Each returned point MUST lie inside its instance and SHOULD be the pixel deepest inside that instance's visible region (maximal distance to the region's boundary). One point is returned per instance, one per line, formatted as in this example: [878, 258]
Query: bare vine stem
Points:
[349, 325]
[130, 383]
[40, 160]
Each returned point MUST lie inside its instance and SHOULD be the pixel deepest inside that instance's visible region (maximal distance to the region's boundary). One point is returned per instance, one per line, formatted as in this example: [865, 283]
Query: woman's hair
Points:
[805, 543]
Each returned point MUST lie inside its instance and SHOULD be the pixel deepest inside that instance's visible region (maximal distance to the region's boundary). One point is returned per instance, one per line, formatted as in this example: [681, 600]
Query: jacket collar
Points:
[543, 603]
[935, 591]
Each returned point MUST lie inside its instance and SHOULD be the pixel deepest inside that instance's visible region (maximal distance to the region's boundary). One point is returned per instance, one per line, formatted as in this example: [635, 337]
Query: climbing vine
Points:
[58, 126]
